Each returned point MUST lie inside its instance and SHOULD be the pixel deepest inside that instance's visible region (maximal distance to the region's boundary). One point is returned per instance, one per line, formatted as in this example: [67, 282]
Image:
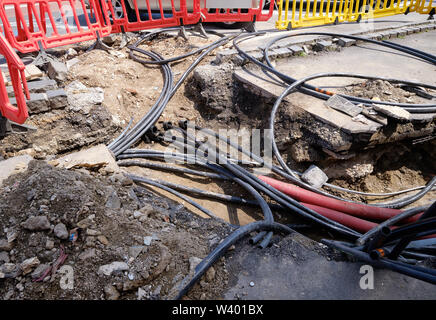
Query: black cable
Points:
[221, 249]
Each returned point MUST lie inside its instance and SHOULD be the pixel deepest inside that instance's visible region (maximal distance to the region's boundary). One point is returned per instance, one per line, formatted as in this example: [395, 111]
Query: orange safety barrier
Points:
[53, 23]
[16, 68]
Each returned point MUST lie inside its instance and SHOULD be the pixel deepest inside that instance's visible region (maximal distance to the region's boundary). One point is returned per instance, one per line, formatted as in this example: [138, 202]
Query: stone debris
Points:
[314, 176]
[81, 98]
[60, 231]
[392, 111]
[116, 266]
[39, 223]
[29, 264]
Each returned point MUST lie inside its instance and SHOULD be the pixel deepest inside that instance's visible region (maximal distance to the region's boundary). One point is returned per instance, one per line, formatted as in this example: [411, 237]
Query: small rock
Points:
[251, 284]
[85, 223]
[12, 235]
[135, 251]
[91, 232]
[9, 270]
[141, 294]
[103, 240]
[4, 257]
[39, 223]
[39, 271]
[113, 201]
[147, 240]
[87, 254]
[5, 245]
[193, 262]
[49, 244]
[20, 287]
[210, 274]
[28, 264]
[314, 176]
[71, 53]
[115, 266]
[60, 231]
[111, 293]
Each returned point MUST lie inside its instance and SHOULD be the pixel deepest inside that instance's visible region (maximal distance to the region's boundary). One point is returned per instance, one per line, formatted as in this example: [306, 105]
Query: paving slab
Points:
[13, 165]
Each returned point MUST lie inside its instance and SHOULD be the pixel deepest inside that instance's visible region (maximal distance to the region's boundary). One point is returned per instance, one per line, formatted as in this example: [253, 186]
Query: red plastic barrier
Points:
[355, 209]
[16, 67]
[52, 22]
[256, 13]
[135, 15]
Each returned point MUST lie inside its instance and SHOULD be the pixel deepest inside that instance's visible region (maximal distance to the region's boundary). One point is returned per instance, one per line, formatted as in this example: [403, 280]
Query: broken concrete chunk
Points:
[296, 49]
[9, 166]
[82, 98]
[344, 42]
[113, 201]
[57, 70]
[61, 232]
[39, 223]
[29, 264]
[4, 257]
[5, 245]
[322, 45]
[392, 111]
[57, 99]
[39, 271]
[72, 62]
[9, 270]
[341, 104]
[147, 240]
[111, 293]
[314, 176]
[116, 266]
[90, 158]
[193, 263]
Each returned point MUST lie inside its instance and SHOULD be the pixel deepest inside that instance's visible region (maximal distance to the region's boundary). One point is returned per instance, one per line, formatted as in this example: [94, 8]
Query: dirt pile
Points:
[116, 240]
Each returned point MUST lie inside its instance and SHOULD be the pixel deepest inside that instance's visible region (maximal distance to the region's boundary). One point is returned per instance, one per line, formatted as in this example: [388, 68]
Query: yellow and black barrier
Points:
[309, 13]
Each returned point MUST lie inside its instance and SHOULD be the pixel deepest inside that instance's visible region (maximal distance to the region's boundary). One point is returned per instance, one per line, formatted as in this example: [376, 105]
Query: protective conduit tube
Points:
[345, 219]
[355, 209]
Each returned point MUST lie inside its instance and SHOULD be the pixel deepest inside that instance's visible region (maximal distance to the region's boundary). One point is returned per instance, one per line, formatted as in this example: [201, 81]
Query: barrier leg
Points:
[98, 44]
[3, 126]
[431, 14]
[200, 29]
[42, 57]
[8, 127]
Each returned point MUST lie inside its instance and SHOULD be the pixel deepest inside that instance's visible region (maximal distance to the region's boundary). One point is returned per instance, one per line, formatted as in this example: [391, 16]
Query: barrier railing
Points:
[29, 24]
[363, 10]
[245, 11]
[427, 7]
[309, 13]
[16, 68]
[135, 15]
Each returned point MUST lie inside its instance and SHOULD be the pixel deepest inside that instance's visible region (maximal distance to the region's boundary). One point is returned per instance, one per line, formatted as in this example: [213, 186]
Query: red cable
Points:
[354, 209]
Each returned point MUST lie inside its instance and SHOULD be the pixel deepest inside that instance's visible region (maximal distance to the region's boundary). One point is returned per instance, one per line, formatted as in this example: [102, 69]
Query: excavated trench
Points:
[392, 160]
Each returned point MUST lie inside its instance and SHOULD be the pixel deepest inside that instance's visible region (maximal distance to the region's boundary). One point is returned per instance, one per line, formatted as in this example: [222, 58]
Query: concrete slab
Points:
[314, 106]
[13, 165]
[98, 156]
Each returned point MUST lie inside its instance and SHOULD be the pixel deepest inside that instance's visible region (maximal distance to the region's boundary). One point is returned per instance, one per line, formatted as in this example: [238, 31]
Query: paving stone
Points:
[57, 70]
[322, 45]
[57, 98]
[296, 49]
[344, 42]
